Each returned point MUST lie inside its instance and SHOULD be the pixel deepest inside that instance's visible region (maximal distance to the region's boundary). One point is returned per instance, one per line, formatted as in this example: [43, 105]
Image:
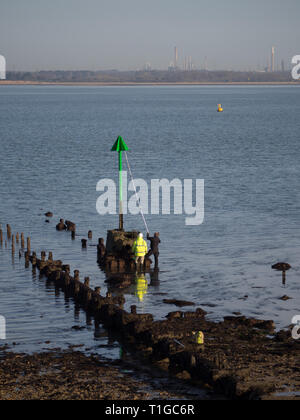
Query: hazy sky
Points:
[125, 34]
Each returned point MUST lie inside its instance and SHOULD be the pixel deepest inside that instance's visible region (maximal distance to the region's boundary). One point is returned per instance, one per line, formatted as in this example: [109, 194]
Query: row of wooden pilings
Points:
[153, 340]
[59, 273]
[105, 309]
[14, 239]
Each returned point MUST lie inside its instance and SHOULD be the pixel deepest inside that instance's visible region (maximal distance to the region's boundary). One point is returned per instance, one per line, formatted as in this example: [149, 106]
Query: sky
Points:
[126, 34]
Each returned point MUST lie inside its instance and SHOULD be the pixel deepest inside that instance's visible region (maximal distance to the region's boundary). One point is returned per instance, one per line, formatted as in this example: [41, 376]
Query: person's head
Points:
[156, 234]
[141, 235]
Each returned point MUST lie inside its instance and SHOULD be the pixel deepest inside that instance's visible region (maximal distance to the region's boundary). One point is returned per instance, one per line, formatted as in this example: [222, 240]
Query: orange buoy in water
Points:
[220, 109]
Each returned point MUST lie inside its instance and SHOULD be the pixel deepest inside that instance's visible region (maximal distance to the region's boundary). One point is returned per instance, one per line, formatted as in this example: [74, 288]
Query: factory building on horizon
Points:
[187, 63]
[175, 57]
[273, 60]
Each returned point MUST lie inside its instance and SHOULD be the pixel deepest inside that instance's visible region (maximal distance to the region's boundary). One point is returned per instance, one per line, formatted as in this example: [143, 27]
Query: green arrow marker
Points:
[120, 146]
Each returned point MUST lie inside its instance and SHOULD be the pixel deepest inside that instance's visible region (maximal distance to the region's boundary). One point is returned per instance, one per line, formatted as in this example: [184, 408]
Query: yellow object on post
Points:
[220, 109]
[199, 337]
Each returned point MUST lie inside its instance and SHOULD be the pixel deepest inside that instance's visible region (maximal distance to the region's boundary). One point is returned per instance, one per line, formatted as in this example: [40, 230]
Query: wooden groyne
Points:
[241, 358]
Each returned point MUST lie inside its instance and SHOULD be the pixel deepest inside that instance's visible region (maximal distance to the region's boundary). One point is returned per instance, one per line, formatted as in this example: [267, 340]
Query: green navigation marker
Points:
[120, 146]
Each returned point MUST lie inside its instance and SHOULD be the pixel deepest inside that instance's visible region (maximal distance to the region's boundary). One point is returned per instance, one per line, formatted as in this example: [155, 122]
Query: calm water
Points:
[55, 146]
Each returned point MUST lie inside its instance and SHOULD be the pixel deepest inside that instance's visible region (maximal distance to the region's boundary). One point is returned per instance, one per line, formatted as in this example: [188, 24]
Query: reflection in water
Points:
[154, 276]
[141, 286]
[76, 311]
[89, 321]
[99, 332]
[137, 284]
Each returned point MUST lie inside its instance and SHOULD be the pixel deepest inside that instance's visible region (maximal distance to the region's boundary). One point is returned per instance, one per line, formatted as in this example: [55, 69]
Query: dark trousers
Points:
[156, 255]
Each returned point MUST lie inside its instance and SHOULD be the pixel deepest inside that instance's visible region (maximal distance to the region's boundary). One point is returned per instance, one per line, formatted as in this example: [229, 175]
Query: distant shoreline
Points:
[29, 83]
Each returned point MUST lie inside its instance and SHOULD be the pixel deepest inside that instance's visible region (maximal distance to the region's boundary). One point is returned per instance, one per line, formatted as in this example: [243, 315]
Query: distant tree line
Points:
[156, 76]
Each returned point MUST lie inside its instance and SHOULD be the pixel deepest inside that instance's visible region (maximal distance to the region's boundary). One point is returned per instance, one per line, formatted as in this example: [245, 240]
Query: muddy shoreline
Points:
[71, 375]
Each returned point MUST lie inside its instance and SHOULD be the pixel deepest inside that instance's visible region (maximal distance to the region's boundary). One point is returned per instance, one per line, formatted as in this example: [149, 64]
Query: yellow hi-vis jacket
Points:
[140, 247]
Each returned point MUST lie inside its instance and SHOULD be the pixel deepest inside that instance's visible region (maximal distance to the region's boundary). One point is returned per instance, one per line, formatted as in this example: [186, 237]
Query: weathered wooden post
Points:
[28, 245]
[22, 241]
[133, 309]
[283, 267]
[27, 259]
[34, 259]
[66, 268]
[13, 244]
[8, 232]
